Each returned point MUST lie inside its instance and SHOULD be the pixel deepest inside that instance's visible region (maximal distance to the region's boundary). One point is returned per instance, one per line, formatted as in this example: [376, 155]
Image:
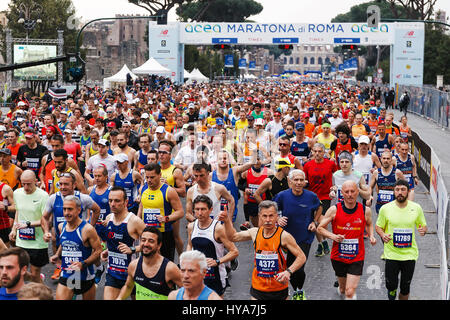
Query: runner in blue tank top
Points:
[80, 248]
[99, 192]
[405, 162]
[123, 228]
[384, 179]
[232, 178]
[193, 265]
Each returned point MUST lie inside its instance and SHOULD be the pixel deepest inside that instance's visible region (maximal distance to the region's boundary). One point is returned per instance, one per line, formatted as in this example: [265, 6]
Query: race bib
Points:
[385, 196]
[402, 238]
[348, 248]
[27, 233]
[267, 264]
[117, 261]
[150, 217]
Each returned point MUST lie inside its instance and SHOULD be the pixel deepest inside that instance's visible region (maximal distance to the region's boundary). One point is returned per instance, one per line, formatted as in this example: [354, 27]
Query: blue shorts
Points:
[114, 282]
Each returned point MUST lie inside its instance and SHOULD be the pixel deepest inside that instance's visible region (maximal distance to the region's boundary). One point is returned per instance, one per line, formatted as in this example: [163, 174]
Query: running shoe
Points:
[56, 273]
[341, 295]
[319, 252]
[245, 226]
[299, 295]
[234, 264]
[392, 294]
[326, 249]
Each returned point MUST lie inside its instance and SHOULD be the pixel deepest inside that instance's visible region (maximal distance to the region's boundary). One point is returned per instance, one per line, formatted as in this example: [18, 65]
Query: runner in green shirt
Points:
[27, 232]
[395, 225]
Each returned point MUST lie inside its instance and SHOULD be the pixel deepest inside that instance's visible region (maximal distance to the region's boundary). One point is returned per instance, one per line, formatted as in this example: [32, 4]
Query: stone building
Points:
[111, 44]
[309, 58]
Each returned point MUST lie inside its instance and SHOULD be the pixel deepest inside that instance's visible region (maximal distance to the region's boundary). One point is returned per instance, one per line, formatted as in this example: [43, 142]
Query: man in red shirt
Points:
[319, 174]
[349, 219]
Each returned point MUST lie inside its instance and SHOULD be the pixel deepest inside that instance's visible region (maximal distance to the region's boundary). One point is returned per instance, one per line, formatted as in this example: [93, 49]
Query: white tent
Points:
[119, 77]
[196, 75]
[186, 74]
[151, 66]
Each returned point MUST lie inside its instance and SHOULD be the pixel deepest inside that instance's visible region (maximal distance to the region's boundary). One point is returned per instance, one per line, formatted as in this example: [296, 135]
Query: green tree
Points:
[219, 10]
[436, 59]
[55, 14]
[153, 6]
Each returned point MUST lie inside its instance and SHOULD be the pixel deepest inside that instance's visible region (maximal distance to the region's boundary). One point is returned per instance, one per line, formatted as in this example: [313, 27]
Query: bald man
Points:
[348, 219]
[27, 232]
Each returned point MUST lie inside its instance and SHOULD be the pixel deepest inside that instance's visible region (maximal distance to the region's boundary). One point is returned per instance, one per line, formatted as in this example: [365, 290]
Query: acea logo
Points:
[365, 29]
[207, 28]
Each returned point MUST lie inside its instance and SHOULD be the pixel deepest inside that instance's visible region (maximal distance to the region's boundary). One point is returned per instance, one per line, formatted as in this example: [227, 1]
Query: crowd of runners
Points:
[98, 184]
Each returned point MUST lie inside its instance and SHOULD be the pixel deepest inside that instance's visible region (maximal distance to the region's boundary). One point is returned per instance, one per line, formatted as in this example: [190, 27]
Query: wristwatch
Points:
[84, 265]
[289, 270]
[217, 261]
[133, 250]
[166, 219]
[28, 223]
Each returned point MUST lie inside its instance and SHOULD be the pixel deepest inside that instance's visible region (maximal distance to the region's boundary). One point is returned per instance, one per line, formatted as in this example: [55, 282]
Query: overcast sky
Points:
[295, 11]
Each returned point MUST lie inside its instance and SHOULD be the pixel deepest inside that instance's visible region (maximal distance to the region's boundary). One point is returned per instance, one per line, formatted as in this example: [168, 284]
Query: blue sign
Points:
[252, 65]
[242, 63]
[224, 40]
[285, 40]
[266, 67]
[332, 69]
[229, 61]
[341, 67]
[347, 40]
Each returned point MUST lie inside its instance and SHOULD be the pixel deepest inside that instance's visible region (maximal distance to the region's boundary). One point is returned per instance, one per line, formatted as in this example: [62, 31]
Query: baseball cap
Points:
[219, 121]
[250, 118]
[259, 122]
[121, 157]
[159, 129]
[5, 151]
[126, 122]
[191, 106]
[103, 142]
[2, 128]
[29, 135]
[145, 116]
[67, 130]
[283, 162]
[306, 115]
[300, 126]
[21, 103]
[364, 139]
[373, 110]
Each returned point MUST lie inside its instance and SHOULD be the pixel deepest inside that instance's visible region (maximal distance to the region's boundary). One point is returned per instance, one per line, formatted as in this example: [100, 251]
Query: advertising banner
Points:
[229, 61]
[242, 63]
[276, 33]
[165, 47]
[252, 65]
[422, 155]
[407, 58]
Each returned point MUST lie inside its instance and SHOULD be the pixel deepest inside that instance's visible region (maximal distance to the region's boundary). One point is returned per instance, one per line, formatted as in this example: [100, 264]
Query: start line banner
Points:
[286, 33]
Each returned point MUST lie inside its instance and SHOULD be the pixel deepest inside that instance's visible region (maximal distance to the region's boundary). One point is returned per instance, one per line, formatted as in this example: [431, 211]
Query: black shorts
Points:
[275, 295]
[168, 245]
[326, 204]
[394, 268]
[38, 257]
[114, 282]
[4, 234]
[341, 269]
[80, 287]
[251, 209]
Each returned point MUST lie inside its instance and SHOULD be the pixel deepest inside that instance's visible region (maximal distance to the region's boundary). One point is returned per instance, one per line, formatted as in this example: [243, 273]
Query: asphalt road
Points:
[319, 273]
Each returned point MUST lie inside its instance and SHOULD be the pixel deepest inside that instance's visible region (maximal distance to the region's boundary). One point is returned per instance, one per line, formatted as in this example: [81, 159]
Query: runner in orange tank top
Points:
[271, 275]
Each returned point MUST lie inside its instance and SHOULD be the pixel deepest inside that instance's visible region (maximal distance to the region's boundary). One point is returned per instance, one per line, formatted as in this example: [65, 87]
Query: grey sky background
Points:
[293, 11]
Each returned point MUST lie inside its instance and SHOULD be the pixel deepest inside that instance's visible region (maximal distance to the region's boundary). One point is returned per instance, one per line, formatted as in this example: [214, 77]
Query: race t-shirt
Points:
[319, 176]
[400, 223]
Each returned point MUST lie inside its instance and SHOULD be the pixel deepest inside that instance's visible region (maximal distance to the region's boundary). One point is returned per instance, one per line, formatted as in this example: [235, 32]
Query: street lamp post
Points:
[77, 47]
[25, 16]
